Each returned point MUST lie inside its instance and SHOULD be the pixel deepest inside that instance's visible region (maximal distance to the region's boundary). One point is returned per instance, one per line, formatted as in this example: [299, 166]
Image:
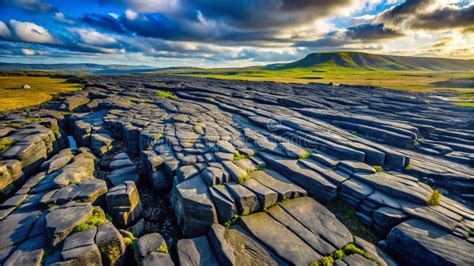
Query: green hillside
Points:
[358, 60]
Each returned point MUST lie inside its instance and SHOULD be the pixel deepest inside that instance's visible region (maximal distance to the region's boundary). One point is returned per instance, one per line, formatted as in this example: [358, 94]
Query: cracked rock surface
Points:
[237, 173]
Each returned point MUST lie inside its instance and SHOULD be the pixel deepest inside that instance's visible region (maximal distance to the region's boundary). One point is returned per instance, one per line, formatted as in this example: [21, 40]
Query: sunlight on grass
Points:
[166, 94]
[42, 90]
[400, 80]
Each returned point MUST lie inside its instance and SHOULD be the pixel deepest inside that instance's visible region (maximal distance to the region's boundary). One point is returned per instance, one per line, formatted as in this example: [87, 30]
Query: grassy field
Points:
[42, 90]
[414, 81]
[401, 80]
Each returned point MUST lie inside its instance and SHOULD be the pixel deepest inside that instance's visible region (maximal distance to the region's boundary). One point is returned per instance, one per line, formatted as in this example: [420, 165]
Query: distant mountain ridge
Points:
[360, 60]
[77, 68]
[321, 61]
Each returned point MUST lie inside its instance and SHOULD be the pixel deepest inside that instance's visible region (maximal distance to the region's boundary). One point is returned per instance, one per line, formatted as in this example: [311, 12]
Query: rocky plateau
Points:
[236, 173]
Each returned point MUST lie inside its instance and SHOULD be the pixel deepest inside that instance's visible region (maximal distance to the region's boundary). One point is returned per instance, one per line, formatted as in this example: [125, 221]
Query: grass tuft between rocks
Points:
[239, 156]
[129, 239]
[232, 221]
[98, 218]
[304, 155]
[378, 168]
[434, 198]
[349, 249]
[163, 248]
[165, 94]
[244, 177]
[5, 144]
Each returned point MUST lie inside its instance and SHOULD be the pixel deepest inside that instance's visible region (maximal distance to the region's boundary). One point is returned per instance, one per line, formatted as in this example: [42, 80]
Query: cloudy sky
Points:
[217, 33]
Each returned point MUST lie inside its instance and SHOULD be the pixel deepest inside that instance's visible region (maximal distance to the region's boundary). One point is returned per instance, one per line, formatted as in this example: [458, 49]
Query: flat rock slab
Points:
[280, 184]
[87, 191]
[16, 227]
[61, 222]
[29, 253]
[318, 220]
[417, 242]
[195, 252]
[279, 239]
[316, 185]
[118, 176]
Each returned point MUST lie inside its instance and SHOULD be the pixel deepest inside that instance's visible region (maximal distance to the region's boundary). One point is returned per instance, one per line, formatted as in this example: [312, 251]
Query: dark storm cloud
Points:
[33, 6]
[445, 18]
[371, 32]
[419, 14]
[353, 35]
[260, 14]
[106, 22]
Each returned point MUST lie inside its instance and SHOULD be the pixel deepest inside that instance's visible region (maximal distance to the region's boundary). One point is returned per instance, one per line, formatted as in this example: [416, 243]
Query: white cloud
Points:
[114, 15]
[59, 16]
[94, 37]
[130, 14]
[30, 32]
[4, 30]
[28, 52]
[362, 19]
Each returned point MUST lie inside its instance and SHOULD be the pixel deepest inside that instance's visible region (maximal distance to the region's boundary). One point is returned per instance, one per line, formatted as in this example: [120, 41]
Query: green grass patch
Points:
[338, 255]
[324, 261]
[470, 233]
[165, 94]
[129, 239]
[304, 155]
[378, 168]
[163, 248]
[465, 104]
[159, 83]
[409, 80]
[5, 144]
[260, 167]
[347, 250]
[434, 199]
[352, 249]
[239, 156]
[244, 177]
[98, 218]
[232, 221]
[42, 90]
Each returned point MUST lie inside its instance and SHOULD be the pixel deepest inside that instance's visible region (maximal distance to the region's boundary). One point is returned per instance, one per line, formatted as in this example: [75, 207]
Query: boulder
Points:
[193, 206]
[110, 244]
[123, 204]
[148, 244]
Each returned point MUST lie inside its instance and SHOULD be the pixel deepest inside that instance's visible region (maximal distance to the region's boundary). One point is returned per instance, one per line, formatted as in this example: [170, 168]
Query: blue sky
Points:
[216, 33]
